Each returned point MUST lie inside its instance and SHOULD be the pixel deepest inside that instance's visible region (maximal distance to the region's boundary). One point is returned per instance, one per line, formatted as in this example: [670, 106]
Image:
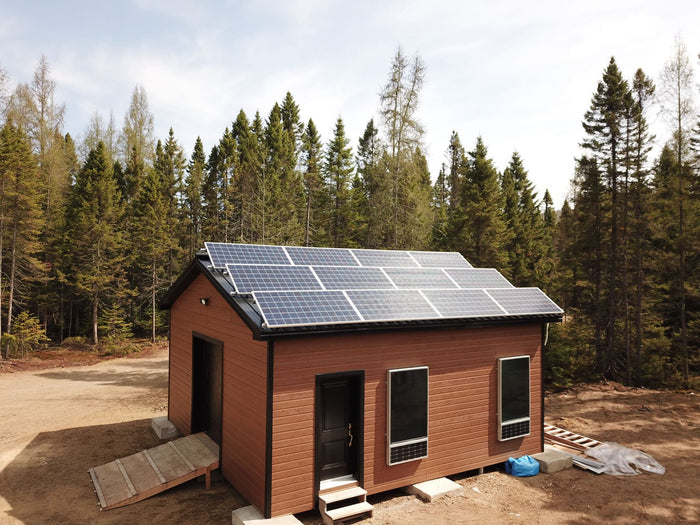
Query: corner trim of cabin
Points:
[543, 331]
[268, 428]
[170, 375]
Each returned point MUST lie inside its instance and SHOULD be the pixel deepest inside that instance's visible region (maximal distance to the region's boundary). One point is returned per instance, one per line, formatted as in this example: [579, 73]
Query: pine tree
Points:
[283, 185]
[478, 224]
[592, 221]
[677, 103]
[210, 199]
[196, 170]
[639, 216]
[439, 240]
[170, 163]
[337, 169]
[455, 169]
[151, 211]
[313, 183]
[605, 127]
[93, 217]
[247, 176]
[20, 220]
[525, 238]
[375, 185]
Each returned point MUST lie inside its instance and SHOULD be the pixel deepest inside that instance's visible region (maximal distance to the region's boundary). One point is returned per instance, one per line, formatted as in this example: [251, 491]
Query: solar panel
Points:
[524, 301]
[221, 254]
[391, 305]
[294, 308]
[321, 256]
[258, 277]
[352, 278]
[384, 258]
[478, 278]
[419, 278]
[440, 260]
[463, 303]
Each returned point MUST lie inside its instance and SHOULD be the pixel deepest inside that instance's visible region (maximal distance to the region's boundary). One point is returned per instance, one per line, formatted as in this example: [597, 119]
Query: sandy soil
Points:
[56, 423]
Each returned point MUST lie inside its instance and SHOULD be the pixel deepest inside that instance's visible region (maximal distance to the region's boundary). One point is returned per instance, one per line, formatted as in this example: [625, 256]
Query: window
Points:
[407, 414]
[513, 397]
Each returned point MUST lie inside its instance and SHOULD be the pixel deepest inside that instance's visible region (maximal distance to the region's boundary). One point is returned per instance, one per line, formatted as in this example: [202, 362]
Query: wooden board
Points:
[149, 472]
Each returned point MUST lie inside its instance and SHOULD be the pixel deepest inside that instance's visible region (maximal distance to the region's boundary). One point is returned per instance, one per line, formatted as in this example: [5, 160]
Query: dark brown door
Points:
[339, 427]
[207, 368]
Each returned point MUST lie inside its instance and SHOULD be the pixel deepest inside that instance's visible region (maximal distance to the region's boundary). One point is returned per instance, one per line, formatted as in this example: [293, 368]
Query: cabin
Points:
[315, 367]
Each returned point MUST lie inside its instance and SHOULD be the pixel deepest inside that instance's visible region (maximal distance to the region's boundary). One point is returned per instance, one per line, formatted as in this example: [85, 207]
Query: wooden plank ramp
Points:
[559, 436]
[150, 472]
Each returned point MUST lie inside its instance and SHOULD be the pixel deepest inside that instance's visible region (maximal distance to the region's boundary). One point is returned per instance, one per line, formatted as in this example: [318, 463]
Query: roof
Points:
[286, 290]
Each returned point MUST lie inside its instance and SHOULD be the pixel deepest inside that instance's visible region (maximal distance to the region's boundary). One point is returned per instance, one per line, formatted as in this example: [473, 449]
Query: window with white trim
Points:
[407, 414]
[513, 397]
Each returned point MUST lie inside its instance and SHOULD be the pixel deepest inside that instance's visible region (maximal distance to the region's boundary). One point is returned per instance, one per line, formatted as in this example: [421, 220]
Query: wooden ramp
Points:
[149, 472]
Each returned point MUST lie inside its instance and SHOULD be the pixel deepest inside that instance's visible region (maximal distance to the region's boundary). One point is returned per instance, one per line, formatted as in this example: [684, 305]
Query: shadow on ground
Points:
[150, 374]
[48, 482]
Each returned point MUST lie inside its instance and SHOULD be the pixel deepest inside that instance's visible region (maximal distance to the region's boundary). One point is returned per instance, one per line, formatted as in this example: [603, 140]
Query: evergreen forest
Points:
[95, 227]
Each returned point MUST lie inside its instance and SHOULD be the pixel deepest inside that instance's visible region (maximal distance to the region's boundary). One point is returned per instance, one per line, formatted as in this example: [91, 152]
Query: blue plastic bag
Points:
[522, 467]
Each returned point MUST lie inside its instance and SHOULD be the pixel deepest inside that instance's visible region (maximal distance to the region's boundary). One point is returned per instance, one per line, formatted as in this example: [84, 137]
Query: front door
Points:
[339, 425]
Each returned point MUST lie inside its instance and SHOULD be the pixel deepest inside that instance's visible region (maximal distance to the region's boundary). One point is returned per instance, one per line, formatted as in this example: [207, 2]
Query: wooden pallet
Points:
[150, 472]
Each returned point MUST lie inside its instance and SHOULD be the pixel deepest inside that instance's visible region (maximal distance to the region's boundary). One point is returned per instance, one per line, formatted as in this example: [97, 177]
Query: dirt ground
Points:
[57, 421]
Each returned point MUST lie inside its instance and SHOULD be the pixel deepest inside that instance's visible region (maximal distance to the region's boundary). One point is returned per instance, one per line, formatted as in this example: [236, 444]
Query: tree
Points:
[4, 92]
[311, 152]
[337, 169]
[456, 160]
[96, 131]
[643, 90]
[676, 96]
[170, 165]
[95, 242]
[605, 127]
[527, 238]
[154, 239]
[137, 139]
[477, 223]
[375, 186]
[20, 219]
[196, 170]
[283, 189]
[398, 106]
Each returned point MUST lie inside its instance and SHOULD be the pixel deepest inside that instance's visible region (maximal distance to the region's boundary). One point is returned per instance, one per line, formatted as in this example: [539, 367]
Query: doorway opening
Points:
[207, 386]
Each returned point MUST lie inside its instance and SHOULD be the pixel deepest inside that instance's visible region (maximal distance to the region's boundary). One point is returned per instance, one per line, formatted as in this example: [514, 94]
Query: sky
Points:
[518, 73]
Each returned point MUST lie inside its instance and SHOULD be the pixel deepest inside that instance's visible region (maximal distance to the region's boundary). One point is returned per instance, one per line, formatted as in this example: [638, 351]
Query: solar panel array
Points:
[302, 286]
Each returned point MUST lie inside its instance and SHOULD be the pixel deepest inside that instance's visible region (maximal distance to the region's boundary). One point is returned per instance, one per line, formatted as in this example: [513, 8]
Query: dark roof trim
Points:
[396, 326]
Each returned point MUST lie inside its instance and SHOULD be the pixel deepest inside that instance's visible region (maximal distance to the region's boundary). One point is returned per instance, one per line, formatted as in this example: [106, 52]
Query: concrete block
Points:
[163, 428]
[250, 515]
[553, 461]
[434, 489]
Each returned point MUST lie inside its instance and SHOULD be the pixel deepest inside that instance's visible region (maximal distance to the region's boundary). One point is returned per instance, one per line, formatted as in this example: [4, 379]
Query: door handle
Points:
[350, 434]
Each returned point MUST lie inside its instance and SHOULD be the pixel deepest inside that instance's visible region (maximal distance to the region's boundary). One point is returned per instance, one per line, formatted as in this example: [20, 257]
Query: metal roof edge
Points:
[389, 326]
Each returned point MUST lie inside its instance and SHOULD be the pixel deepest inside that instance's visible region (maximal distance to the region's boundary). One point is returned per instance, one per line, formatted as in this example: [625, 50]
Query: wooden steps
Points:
[150, 472]
[344, 503]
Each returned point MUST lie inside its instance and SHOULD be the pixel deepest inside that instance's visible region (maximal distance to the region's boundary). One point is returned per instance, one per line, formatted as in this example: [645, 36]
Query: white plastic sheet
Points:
[623, 461]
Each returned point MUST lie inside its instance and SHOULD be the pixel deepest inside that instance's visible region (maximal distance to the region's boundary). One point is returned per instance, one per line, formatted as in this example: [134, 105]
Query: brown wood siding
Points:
[463, 400]
[244, 384]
